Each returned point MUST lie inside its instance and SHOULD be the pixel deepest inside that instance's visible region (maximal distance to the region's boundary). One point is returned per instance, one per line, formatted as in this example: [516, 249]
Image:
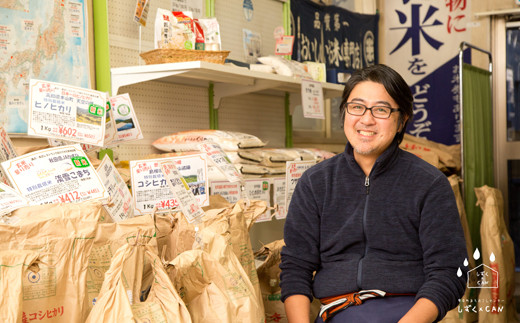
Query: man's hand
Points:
[297, 309]
[423, 311]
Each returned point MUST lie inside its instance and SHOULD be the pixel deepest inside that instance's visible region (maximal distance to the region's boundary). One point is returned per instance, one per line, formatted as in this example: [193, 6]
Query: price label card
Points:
[10, 200]
[7, 152]
[284, 45]
[149, 187]
[229, 191]
[260, 189]
[121, 201]
[66, 112]
[279, 198]
[312, 99]
[221, 161]
[127, 126]
[182, 192]
[55, 175]
[293, 171]
[110, 125]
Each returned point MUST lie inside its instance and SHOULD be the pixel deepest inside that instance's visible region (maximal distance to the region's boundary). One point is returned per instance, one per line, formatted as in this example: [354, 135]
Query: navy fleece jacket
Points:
[397, 230]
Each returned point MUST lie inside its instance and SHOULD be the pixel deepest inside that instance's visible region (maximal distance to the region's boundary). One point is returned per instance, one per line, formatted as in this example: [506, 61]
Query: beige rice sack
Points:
[496, 274]
[115, 304]
[462, 313]
[435, 153]
[189, 140]
[14, 266]
[269, 277]
[63, 235]
[109, 238]
[213, 292]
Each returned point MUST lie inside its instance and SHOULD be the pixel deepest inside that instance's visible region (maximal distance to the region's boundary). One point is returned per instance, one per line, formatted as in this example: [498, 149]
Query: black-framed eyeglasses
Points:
[378, 111]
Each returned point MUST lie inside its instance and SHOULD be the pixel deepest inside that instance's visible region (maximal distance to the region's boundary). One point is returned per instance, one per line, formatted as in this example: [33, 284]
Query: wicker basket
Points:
[159, 56]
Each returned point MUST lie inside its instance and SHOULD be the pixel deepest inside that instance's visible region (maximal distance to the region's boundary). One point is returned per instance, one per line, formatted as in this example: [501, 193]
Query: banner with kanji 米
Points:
[343, 40]
[422, 42]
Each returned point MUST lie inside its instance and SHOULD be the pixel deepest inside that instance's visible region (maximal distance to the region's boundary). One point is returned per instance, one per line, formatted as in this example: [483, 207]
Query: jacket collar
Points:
[382, 163]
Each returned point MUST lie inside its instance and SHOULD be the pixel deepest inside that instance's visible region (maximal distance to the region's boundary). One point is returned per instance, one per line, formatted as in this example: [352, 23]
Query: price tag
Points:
[229, 191]
[66, 112]
[221, 161]
[121, 206]
[141, 12]
[150, 189]
[293, 171]
[279, 198]
[181, 191]
[10, 200]
[55, 175]
[312, 99]
[260, 189]
[126, 124]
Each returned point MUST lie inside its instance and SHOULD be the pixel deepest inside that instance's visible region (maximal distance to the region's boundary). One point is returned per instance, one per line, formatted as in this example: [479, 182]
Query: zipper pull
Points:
[367, 183]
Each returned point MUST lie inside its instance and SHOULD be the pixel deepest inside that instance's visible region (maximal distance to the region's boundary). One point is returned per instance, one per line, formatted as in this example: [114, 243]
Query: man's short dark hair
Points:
[394, 84]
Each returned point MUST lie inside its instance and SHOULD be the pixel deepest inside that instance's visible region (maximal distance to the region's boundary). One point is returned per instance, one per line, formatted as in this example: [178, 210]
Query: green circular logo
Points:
[123, 109]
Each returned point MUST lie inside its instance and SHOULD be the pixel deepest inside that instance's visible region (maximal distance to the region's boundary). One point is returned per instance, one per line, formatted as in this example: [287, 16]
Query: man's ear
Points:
[402, 122]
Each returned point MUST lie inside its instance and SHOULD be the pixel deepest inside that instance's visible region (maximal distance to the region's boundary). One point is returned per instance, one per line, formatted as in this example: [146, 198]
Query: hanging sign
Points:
[66, 112]
[312, 99]
[343, 40]
[219, 158]
[141, 12]
[55, 175]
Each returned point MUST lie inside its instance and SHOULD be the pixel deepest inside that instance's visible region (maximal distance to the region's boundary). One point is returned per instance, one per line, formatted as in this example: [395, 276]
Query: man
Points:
[373, 218]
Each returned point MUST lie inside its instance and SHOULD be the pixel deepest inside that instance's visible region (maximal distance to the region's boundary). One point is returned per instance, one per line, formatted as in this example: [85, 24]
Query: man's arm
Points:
[297, 308]
[423, 311]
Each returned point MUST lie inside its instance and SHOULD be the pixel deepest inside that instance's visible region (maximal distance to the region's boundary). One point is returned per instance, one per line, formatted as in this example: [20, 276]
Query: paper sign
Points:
[66, 112]
[284, 45]
[221, 161]
[260, 189]
[195, 6]
[58, 143]
[182, 192]
[141, 12]
[312, 99]
[120, 206]
[126, 123]
[10, 200]
[7, 152]
[279, 198]
[293, 171]
[229, 191]
[150, 189]
[55, 175]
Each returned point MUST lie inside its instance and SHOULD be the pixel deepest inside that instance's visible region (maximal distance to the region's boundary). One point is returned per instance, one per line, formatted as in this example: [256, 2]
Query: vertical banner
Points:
[345, 41]
[422, 41]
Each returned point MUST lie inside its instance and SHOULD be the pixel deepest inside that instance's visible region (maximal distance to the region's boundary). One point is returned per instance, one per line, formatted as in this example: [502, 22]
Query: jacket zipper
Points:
[360, 264]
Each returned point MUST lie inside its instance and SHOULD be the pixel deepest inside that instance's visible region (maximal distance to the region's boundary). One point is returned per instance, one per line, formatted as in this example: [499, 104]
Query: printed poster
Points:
[279, 198]
[230, 191]
[259, 189]
[66, 112]
[55, 175]
[120, 206]
[150, 190]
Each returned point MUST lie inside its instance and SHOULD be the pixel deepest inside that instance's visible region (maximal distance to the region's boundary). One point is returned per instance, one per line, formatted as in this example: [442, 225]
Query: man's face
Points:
[370, 136]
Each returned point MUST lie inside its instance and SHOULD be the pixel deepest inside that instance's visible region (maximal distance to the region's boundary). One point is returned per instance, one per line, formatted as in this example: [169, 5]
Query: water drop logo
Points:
[486, 276]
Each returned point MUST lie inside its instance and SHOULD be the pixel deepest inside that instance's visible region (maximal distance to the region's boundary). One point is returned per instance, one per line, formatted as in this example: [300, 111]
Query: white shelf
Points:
[228, 80]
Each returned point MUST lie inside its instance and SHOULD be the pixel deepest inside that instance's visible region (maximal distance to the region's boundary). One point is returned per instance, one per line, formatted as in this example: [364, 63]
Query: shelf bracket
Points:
[119, 80]
[223, 90]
